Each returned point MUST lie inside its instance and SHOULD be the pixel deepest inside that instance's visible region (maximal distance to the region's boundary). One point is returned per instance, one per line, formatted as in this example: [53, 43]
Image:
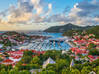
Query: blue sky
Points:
[4, 4]
[41, 14]
[58, 5]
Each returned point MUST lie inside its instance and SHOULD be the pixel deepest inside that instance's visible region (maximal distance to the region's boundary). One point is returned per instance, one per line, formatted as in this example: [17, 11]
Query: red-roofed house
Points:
[7, 62]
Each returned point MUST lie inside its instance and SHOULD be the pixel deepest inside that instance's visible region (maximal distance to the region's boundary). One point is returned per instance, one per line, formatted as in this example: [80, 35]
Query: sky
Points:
[41, 14]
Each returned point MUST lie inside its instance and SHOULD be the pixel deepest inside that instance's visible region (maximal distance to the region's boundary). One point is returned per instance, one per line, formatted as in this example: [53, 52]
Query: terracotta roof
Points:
[91, 57]
[16, 57]
[8, 61]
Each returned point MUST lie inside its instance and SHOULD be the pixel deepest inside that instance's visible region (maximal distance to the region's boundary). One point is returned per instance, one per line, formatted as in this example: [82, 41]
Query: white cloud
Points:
[25, 11]
[83, 13]
[28, 12]
[74, 11]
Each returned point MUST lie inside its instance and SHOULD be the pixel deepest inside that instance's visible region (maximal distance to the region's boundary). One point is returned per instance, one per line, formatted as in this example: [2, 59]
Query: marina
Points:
[55, 41]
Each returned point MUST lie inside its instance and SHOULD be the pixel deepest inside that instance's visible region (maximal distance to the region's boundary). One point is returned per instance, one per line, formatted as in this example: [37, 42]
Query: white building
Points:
[64, 51]
[92, 72]
[48, 61]
[15, 59]
[1, 45]
[72, 63]
[34, 71]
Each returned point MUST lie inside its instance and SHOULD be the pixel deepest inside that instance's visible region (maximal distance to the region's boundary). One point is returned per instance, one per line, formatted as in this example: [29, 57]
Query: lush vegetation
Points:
[71, 32]
[9, 39]
[66, 28]
[62, 65]
[32, 60]
[94, 30]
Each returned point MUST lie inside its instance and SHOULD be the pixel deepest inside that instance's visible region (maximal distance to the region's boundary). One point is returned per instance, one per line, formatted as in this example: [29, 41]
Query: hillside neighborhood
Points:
[84, 48]
[49, 36]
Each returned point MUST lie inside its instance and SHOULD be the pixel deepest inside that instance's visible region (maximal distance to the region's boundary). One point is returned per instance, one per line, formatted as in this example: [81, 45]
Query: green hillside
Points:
[65, 28]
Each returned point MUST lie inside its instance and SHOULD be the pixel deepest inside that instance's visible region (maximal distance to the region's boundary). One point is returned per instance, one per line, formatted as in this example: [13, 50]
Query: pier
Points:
[45, 45]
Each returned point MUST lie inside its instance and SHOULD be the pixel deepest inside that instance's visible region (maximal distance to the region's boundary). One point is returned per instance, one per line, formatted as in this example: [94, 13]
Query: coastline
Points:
[69, 42]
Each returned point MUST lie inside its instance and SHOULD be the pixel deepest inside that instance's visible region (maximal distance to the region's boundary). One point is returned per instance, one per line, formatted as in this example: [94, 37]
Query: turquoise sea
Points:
[45, 45]
[54, 36]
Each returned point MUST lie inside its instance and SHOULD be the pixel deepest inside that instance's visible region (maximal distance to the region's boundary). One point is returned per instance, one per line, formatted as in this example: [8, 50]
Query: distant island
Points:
[66, 27]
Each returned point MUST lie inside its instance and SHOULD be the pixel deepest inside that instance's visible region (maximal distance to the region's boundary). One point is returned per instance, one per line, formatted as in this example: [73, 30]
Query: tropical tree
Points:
[61, 64]
[51, 72]
[26, 59]
[44, 72]
[75, 71]
[13, 71]
[24, 72]
[35, 60]
[65, 71]
[86, 70]
[54, 54]
[51, 67]
[78, 66]
[96, 69]
[3, 71]
[28, 53]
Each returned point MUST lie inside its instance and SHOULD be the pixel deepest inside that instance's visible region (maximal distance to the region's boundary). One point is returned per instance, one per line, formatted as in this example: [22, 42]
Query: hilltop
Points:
[66, 27]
